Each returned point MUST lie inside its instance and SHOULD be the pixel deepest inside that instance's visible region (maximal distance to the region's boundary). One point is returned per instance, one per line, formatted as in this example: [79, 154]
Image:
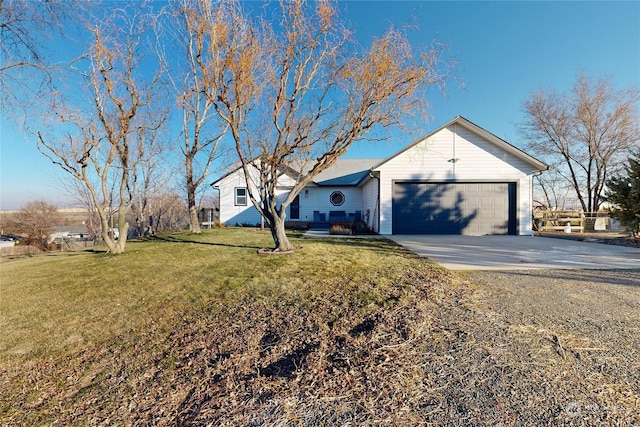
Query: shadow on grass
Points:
[288, 365]
[378, 244]
[173, 239]
[66, 254]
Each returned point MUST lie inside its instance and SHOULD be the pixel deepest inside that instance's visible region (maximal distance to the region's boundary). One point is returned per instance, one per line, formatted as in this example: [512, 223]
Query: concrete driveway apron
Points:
[518, 252]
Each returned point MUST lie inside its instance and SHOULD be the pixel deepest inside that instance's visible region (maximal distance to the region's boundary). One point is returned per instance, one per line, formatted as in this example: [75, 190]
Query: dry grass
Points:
[201, 330]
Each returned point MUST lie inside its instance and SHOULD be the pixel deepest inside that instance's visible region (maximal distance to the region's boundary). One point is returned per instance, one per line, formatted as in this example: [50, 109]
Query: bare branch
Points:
[298, 92]
[110, 135]
[591, 130]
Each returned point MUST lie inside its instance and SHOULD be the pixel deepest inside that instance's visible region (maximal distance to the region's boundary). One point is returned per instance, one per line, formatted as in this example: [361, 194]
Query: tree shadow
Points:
[173, 239]
[375, 243]
[288, 365]
[437, 208]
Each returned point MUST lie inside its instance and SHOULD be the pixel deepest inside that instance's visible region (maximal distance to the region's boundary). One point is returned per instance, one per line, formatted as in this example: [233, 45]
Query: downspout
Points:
[215, 187]
[376, 212]
[533, 224]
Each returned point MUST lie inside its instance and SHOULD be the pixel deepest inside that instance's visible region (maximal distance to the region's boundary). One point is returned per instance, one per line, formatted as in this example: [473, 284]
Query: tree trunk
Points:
[193, 209]
[108, 237]
[193, 219]
[279, 235]
[123, 234]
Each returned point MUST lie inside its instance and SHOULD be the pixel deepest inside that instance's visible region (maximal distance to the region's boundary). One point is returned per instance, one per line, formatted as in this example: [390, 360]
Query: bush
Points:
[340, 228]
[297, 225]
[349, 228]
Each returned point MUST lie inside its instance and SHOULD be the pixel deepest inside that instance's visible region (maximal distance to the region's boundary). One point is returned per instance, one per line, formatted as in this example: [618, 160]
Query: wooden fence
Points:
[19, 250]
[567, 221]
[31, 250]
[574, 221]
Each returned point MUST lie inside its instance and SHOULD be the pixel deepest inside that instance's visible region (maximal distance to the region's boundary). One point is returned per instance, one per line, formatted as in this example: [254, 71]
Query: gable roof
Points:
[346, 172]
[352, 172]
[536, 164]
[231, 169]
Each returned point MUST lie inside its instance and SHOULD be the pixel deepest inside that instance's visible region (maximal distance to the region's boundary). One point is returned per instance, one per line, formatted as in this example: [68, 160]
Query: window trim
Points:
[341, 195]
[237, 197]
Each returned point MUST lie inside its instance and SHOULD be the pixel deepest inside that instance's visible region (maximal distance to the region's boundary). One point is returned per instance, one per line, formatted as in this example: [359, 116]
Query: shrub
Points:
[349, 228]
[297, 225]
[340, 228]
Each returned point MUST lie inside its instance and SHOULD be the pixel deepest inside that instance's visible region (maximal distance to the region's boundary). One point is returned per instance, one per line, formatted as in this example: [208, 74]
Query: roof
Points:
[536, 164]
[229, 170]
[72, 229]
[346, 172]
[352, 172]
[342, 172]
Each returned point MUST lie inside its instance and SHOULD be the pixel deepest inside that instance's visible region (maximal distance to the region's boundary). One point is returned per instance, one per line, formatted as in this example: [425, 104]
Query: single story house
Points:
[458, 179]
[69, 233]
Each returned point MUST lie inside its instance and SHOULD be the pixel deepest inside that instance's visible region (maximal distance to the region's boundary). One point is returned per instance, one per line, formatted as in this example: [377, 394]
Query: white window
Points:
[241, 196]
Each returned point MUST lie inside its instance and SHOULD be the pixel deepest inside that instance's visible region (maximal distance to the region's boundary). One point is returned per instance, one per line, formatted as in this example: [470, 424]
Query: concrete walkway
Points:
[519, 252]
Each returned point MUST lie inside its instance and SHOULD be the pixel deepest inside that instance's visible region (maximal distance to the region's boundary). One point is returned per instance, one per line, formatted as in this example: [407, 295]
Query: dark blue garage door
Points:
[471, 208]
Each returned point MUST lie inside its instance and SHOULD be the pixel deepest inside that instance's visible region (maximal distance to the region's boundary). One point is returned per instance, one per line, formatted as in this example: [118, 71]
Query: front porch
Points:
[336, 216]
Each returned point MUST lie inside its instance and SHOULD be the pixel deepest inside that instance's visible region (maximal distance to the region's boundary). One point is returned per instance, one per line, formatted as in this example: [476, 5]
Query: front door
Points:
[294, 208]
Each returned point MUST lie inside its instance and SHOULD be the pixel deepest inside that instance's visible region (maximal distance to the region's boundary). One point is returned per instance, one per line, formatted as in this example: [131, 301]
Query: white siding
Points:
[318, 199]
[312, 199]
[456, 154]
[230, 214]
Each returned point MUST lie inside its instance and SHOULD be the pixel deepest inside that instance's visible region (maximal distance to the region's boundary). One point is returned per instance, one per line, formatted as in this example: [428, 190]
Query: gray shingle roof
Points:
[346, 172]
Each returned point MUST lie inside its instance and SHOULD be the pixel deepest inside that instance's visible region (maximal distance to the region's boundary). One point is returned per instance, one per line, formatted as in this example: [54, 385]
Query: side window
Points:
[241, 196]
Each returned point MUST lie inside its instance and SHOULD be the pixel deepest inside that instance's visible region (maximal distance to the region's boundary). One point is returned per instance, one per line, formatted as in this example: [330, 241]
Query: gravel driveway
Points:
[579, 327]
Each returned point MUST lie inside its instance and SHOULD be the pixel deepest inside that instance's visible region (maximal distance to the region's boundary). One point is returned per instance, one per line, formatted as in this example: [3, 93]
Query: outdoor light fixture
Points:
[306, 193]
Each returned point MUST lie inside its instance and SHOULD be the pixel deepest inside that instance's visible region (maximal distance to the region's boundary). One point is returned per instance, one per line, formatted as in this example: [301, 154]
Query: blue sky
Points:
[504, 50]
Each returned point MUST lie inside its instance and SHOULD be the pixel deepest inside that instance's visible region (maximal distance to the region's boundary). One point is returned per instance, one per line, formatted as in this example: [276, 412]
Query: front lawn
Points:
[153, 335]
[202, 330]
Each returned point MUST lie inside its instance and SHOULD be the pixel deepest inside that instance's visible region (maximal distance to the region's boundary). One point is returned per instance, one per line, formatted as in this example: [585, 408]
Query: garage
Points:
[471, 208]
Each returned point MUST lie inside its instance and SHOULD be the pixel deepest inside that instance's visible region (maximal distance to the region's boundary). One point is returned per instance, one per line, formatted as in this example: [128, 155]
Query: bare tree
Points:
[587, 132]
[297, 92]
[106, 137]
[25, 69]
[168, 212]
[80, 196]
[35, 222]
[188, 30]
[553, 189]
[151, 175]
